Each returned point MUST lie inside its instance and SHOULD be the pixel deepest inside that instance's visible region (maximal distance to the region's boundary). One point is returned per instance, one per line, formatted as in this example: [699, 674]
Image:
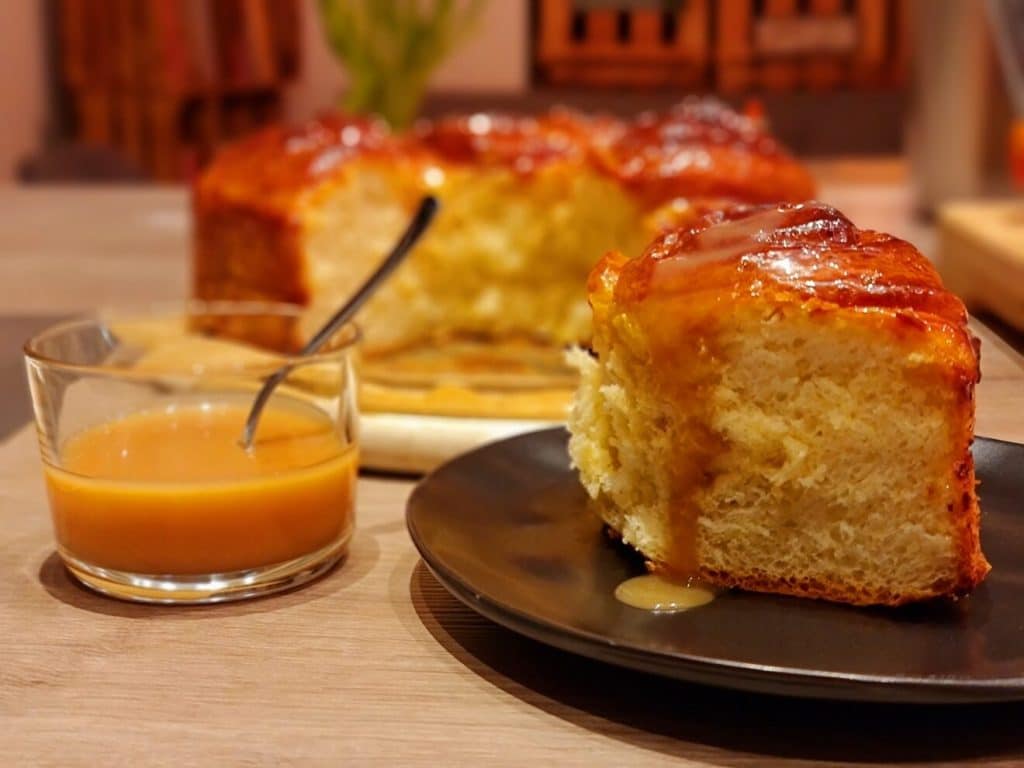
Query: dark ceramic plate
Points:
[505, 530]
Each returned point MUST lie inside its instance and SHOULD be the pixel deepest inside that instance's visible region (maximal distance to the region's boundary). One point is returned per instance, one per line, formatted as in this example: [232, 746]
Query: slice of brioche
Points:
[781, 402]
[303, 214]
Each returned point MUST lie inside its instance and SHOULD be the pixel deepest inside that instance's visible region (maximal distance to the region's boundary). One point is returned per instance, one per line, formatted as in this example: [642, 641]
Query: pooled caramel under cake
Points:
[528, 205]
[783, 402]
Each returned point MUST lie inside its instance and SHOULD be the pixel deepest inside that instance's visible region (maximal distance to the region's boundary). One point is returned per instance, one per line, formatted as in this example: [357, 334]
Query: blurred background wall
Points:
[148, 89]
[493, 60]
[23, 92]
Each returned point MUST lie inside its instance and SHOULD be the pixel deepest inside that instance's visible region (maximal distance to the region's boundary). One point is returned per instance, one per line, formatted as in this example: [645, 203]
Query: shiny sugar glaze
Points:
[523, 144]
[701, 149]
[270, 168]
[809, 249]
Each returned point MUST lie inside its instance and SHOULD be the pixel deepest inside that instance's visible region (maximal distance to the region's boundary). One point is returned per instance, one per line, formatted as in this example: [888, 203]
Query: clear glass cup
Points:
[153, 498]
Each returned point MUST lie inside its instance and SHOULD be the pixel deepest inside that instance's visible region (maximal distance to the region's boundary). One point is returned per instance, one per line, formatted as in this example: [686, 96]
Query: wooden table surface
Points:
[374, 663]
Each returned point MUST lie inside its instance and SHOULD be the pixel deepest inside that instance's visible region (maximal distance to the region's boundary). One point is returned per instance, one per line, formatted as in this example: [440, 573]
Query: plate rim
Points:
[736, 675]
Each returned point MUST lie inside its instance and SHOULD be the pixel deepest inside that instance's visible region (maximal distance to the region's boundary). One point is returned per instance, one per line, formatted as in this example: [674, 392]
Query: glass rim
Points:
[30, 349]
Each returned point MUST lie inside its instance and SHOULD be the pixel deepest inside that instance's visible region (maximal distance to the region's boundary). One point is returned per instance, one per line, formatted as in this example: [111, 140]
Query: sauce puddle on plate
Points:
[652, 592]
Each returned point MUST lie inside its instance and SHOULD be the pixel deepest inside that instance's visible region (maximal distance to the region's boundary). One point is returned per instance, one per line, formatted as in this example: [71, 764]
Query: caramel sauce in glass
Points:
[171, 491]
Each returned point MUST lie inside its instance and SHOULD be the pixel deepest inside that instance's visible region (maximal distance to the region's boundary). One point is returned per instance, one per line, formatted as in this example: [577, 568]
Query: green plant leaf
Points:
[391, 47]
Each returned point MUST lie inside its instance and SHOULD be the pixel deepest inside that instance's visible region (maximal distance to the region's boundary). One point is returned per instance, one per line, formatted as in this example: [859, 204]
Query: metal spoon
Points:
[418, 225]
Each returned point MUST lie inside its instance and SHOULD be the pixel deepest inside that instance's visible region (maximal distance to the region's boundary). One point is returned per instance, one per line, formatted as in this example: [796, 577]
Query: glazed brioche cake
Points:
[528, 204]
[782, 402]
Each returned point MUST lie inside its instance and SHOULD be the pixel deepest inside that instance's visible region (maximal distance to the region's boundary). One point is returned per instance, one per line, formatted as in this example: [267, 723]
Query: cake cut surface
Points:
[529, 204]
[782, 402]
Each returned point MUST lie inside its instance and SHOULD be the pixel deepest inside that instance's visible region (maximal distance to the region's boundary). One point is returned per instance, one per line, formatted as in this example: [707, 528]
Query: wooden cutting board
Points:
[417, 443]
[981, 256]
[425, 405]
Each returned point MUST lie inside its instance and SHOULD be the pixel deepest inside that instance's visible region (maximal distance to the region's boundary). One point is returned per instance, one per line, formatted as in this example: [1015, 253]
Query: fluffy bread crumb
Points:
[836, 476]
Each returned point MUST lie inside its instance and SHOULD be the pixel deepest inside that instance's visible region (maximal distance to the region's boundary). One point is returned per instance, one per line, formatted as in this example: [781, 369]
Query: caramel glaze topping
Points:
[809, 249]
[701, 149]
[270, 168]
[524, 144]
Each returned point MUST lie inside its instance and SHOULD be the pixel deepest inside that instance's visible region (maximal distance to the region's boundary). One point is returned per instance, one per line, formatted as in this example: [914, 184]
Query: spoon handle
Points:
[424, 216]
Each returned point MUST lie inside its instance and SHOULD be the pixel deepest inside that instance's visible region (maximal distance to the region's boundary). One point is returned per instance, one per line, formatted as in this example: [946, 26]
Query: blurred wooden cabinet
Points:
[167, 81]
[580, 44]
[789, 44]
[724, 45]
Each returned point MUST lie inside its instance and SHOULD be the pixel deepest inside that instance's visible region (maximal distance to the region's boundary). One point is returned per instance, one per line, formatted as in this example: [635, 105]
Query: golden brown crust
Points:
[972, 567]
[241, 255]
